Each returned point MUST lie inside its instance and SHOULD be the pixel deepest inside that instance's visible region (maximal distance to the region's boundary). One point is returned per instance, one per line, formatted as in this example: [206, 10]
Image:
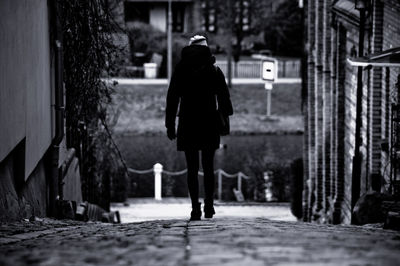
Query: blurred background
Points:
[241, 34]
[84, 123]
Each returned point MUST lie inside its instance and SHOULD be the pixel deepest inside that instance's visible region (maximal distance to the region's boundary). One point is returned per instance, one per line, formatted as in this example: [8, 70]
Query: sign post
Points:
[268, 74]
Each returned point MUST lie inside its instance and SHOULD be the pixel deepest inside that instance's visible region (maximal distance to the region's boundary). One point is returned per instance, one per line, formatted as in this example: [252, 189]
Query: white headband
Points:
[198, 40]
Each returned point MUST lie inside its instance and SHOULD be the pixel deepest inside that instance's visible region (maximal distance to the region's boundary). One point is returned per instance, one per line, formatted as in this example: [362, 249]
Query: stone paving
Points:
[217, 241]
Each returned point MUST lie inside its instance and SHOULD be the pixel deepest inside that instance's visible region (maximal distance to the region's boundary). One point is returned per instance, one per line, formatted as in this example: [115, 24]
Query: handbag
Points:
[223, 125]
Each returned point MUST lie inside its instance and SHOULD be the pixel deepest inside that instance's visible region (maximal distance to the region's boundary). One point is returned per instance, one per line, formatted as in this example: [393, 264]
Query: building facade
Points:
[29, 162]
[330, 106]
[187, 15]
[155, 13]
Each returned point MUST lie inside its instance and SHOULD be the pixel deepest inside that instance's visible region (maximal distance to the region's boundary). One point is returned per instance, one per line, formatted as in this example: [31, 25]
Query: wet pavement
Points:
[218, 241]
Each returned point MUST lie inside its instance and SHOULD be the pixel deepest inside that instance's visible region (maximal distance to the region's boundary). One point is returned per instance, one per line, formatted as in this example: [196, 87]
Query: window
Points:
[136, 12]
[178, 17]
[242, 15]
[246, 16]
[209, 18]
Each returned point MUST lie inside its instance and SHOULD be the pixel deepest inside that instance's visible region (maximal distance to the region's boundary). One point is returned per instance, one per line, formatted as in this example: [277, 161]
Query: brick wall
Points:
[340, 116]
[350, 119]
[327, 105]
[305, 112]
[391, 39]
[310, 198]
[320, 101]
[334, 122]
[331, 105]
[376, 91]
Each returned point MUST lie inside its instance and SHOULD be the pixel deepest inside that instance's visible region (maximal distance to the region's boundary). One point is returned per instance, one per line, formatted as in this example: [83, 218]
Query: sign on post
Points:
[269, 74]
[268, 70]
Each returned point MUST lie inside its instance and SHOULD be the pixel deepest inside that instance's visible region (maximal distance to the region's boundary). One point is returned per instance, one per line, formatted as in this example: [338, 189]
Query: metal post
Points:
[229, 48]
[56, 179]
[219, 185]
[169, 40]
[284, 69]
[239, 184]
[268, 88]
[158, 168]
[268, 102]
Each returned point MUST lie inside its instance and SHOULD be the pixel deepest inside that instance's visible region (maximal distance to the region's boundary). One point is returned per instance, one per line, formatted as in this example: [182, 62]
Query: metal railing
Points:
[158, 171]
[287, 68]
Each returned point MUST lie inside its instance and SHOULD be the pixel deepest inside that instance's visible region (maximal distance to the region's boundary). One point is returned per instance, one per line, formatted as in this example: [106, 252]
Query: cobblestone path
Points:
[219, 241]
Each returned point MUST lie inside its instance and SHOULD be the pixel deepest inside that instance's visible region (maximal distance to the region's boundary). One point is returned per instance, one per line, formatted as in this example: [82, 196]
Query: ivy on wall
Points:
[89, 55]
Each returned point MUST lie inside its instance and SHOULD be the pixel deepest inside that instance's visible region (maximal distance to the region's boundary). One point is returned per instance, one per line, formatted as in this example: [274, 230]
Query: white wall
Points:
[25, 90]
[158, 17]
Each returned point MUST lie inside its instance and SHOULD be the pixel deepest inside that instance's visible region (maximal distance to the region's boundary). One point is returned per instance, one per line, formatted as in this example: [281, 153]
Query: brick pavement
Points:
[219, 241]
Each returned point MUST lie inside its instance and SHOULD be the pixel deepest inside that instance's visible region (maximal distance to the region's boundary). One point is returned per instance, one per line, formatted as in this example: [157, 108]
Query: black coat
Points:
[197, 86]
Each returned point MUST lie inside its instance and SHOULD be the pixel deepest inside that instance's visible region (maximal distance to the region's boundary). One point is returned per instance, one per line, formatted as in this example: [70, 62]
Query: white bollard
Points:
[158, 168]
[239, 182]
[219, 184]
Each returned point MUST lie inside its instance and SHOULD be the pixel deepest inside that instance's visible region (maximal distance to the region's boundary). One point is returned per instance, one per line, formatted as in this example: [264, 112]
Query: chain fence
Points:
[158, 171]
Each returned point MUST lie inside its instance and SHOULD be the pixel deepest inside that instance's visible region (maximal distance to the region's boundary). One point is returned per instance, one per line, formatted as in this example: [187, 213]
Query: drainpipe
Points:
[356, 175]
[169, 40]
[304, 95]
[59, 112]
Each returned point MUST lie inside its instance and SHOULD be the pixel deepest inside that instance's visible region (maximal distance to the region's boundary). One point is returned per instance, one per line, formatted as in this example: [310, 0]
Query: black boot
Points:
[209, 208]
[195, 215]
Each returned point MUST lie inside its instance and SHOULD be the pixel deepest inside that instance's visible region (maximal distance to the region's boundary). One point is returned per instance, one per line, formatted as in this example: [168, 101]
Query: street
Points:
[226, 240]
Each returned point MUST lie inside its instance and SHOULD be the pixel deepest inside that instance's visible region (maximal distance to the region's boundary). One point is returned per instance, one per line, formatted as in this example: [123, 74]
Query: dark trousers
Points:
[192, 162]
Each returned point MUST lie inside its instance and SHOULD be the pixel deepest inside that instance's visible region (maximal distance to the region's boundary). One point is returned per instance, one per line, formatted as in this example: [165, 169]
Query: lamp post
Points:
[169, 41]
[361, 6]
[229, 48]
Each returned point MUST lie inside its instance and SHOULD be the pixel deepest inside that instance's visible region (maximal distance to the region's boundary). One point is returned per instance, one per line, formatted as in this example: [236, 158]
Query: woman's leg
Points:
[207, 160]
[192, 164]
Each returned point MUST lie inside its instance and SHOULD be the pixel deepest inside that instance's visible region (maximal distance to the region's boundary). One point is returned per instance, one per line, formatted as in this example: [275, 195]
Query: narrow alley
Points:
[123, 122]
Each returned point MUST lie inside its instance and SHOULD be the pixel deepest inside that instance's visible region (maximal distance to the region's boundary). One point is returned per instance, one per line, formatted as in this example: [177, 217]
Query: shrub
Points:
[279, 177]
[89, 54]
[145, 39]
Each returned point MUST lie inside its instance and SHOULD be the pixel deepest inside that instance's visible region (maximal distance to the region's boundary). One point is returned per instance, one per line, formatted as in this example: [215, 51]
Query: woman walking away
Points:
[199, 88]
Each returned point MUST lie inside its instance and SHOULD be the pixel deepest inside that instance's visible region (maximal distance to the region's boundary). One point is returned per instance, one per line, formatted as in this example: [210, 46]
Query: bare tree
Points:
[235, 23]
